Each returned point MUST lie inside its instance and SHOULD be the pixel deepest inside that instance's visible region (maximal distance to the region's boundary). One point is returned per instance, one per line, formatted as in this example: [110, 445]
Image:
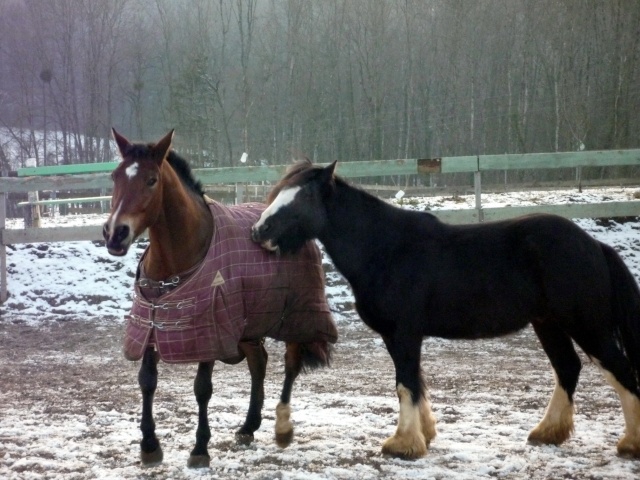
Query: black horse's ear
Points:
[122, 142]
[162, 147]
[328, 171]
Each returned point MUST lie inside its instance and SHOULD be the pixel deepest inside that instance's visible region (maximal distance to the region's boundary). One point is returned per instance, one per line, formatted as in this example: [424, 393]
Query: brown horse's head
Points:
[137, 191]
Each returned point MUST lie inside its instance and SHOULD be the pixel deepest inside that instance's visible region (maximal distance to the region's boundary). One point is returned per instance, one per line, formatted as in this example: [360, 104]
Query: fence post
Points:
[579, 178]
[3, 249]
[34, 211]
[103, 205]
[239, 193]
[477, 187]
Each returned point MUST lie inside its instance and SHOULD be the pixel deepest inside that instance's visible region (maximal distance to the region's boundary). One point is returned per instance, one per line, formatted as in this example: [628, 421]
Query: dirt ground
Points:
[69, 408]
[70, 404]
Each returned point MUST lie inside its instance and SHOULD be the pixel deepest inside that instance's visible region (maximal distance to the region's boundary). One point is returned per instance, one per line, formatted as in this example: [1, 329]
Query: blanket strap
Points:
[173, 325]
[149, 321]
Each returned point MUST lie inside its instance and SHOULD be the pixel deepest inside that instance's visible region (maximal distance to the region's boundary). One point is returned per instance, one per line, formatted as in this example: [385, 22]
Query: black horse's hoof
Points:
[244, 438]
[199, 461]
[151, 459]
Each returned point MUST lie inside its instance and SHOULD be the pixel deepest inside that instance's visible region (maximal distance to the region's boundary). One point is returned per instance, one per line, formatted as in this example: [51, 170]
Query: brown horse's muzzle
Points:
[118, 240]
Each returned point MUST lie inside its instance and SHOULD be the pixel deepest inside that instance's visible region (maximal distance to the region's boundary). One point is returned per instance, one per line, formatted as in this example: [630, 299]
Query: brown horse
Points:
[205, 292]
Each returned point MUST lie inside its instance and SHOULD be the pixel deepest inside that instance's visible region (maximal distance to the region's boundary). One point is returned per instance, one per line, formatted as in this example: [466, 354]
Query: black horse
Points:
[414, 276]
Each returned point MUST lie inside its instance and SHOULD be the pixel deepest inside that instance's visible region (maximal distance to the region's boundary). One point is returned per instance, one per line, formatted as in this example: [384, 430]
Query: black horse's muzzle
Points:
[258, 236]
[255, 235]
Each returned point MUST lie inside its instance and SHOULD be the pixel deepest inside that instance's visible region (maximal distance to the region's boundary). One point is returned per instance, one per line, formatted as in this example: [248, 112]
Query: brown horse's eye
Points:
[151, 181]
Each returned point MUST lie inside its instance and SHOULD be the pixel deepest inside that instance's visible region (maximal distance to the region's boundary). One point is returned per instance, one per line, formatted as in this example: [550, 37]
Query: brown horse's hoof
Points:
[284, 439]
[151, 459]
[244, 438]
[199, 461]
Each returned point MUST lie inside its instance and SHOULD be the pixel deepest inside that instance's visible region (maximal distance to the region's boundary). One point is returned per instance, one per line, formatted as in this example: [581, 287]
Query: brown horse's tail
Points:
[316, 355]
[626, 307]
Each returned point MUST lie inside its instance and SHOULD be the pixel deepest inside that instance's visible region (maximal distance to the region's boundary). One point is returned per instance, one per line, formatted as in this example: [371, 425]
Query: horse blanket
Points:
[238, 292]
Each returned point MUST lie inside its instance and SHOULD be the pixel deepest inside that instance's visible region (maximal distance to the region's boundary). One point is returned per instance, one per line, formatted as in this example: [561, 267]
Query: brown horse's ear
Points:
[122, 142]
[161, 149]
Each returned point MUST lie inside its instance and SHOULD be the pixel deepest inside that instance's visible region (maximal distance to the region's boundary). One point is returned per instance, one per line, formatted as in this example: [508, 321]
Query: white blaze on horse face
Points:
[115, 220]
[114, 217]
[284, 198]
[132, 170]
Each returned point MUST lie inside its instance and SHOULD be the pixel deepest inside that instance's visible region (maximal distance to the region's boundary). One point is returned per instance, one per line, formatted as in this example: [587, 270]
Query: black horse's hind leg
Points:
[257, 358]
[617, 370]
[557, 424]
[203, 390]
[151, 453]
[416, 422]
[293, 367]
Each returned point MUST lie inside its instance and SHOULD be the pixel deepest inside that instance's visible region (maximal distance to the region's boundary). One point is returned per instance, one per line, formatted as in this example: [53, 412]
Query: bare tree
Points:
[347, 79]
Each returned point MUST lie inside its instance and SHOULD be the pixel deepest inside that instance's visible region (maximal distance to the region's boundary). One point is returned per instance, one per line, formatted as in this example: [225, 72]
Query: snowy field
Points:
[70, 406]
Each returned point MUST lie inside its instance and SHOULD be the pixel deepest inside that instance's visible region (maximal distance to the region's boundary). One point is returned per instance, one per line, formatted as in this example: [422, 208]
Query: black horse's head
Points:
[296, 211]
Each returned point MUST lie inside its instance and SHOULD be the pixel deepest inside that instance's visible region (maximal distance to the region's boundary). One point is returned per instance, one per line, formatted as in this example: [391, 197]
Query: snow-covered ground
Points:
[69, 402]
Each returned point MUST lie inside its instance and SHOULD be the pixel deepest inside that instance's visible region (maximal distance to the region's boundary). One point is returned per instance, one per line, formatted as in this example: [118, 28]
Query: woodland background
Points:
[331, 79]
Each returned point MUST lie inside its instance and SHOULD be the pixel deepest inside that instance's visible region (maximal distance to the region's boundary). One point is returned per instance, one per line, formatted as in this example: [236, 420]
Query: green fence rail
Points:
[96, 176]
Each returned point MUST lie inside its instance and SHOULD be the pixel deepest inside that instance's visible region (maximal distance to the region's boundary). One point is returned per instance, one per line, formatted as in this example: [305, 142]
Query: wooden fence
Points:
[33, 180]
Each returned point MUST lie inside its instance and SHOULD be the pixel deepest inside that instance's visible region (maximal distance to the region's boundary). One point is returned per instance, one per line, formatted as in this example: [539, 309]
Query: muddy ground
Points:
[69, 408]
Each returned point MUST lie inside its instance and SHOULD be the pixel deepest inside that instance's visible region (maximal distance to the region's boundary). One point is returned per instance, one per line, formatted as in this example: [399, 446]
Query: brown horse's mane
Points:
[141, 151]
[183, 169]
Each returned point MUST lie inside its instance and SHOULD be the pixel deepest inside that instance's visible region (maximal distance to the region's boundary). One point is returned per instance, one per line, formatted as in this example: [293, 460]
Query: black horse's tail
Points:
[626, 307]
[316, 355]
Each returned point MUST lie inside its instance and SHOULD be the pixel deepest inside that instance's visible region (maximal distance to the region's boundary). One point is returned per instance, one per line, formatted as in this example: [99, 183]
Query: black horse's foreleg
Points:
[257, 357]
[151, 453]
[203, 390]
[416, 423]
[293, 366]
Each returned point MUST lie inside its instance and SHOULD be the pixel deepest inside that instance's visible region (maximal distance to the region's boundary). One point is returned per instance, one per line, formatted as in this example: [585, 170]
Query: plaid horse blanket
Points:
[239, 292]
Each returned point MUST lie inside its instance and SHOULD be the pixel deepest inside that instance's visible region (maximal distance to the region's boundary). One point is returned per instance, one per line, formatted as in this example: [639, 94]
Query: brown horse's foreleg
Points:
[257, 357]
[203, 389]
[293, 365]
[151, 453]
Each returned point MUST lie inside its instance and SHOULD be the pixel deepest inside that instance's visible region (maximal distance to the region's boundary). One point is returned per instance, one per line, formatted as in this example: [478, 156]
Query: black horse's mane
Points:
[302, 171]
[298, 173]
